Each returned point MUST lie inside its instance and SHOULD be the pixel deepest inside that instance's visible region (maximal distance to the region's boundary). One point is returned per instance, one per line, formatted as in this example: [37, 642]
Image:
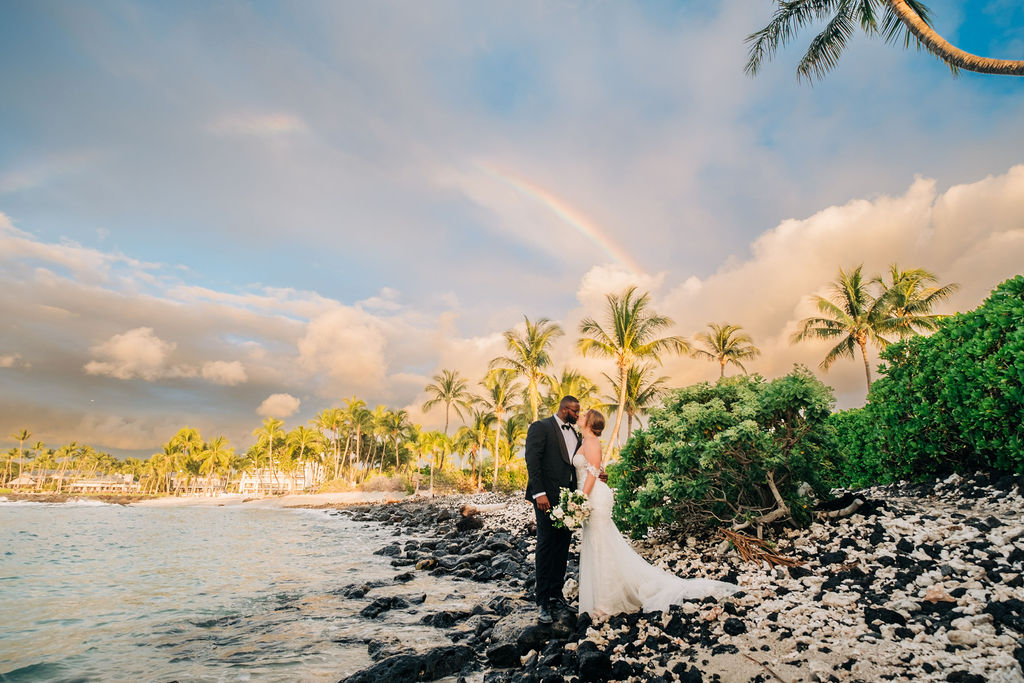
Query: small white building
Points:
[265, 482]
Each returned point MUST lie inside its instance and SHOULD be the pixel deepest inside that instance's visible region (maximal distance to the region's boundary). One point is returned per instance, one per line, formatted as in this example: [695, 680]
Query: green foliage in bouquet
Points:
[715, 452]
[949, 402]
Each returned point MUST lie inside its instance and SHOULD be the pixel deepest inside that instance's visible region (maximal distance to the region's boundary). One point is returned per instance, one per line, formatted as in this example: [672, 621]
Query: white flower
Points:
[557, 513]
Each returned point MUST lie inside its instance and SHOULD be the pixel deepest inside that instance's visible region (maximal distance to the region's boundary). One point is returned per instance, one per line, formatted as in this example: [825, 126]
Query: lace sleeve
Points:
[596, 471]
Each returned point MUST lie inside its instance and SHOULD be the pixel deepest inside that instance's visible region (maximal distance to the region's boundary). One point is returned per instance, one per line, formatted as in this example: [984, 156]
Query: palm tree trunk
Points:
[447, 408]
[497, 431]
[618, 415]
[948, 53]
[867, 367]
[722, 363]
[534, 399]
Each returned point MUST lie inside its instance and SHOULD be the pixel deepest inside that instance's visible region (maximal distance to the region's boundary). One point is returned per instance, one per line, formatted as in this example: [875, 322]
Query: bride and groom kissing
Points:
[563, 452]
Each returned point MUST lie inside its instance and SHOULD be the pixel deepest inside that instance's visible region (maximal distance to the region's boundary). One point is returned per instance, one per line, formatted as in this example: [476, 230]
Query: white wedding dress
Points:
[613, 577]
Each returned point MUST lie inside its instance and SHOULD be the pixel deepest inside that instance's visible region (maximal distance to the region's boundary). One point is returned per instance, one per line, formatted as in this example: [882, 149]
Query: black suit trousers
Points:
[552, 556]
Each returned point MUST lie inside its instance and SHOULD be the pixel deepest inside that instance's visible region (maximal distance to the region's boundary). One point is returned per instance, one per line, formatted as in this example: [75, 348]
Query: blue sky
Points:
[310, 194]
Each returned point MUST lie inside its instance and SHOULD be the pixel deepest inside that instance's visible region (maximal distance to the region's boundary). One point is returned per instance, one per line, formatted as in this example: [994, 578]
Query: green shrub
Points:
[388, 482]
[709, 452]
[955, 400]
[859, 460]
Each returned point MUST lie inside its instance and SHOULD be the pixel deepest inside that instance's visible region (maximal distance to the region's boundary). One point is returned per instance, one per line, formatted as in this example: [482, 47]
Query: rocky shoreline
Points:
[924, 582]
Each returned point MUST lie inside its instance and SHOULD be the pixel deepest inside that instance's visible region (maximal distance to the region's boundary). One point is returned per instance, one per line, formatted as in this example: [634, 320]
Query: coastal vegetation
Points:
[735, 450]
[738, 452]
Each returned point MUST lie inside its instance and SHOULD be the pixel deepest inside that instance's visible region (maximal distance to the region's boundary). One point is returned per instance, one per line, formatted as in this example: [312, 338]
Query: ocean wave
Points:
[73, 502]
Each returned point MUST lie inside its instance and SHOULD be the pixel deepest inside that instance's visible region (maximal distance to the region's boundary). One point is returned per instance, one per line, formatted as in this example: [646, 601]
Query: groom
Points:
[550, 444]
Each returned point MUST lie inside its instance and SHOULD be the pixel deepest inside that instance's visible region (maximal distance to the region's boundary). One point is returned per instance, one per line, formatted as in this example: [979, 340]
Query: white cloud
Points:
[135, 353]
[228, 373]
[969, 234]
[279, 406]
[259, 125]
[349, 346]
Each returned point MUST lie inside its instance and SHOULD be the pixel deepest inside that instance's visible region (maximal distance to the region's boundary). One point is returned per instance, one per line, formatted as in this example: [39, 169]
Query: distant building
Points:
[265, 482]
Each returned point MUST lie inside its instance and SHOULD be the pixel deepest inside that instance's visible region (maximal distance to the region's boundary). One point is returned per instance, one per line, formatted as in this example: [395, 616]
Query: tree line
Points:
[353, 442]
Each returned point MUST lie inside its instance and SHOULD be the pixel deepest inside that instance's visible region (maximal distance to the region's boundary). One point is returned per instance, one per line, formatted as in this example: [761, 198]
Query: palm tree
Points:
[909, 300]
[500, 390]
[642, 391]
[452, 390]
[513, 437]
[21, 437]
[472, 439]
[529, 355]
[901, 20]
[631, 336]
[216, 457]
[570, 382]
[303, 439]
[396, 423]
[851, 315]
[726, 344]
[186, 445]
[65, 454]
[360, 423]
[329, 422]
[265, 436]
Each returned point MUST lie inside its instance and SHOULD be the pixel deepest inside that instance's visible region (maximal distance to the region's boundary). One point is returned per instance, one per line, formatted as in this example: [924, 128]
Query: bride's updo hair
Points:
[595, 420]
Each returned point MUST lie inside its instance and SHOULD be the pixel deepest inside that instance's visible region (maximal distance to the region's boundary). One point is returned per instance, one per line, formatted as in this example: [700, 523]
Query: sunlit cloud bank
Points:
[972, 234]
[106, 349]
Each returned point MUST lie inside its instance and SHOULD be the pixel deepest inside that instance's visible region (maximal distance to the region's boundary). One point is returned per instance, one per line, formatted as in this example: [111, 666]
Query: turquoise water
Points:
[105, 592]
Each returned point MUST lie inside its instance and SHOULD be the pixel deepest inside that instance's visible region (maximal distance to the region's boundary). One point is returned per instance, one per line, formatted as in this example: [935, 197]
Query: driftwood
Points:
[468, 510]
[842, 512]
[756, 550]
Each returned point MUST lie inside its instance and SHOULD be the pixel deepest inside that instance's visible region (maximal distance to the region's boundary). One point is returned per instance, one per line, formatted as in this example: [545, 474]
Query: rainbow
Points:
[567, 213]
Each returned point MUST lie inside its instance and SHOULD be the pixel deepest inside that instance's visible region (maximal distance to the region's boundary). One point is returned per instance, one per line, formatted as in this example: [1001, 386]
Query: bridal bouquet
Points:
[572, 510]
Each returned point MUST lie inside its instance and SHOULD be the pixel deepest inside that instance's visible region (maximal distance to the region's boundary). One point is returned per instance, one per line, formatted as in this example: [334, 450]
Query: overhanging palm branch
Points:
[905, 21]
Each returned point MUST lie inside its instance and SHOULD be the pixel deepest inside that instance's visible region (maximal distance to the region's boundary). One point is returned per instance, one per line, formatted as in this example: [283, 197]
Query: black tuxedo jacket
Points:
[548, 460]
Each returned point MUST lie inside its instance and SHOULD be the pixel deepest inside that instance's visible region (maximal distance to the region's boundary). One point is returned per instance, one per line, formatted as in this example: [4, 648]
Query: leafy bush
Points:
[385, 482]
[511, 478]
[446, 480]
[859, 458]
[954, 400]
[713, 452]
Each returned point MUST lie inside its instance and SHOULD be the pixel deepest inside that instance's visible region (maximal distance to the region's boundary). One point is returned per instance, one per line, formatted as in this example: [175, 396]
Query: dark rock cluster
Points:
[923, 582]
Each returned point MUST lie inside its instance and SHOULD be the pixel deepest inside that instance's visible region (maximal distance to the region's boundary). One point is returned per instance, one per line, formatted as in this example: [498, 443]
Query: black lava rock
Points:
[595, 666]
[503, 655]
[964, 677]
[799, 572]
[380, 605]
[837, 557]
[734, 626]
[426, 666]
[445, 619]
[886, 616]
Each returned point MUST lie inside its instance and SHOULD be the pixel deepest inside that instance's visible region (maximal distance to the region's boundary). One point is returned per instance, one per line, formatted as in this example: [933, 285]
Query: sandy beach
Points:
[297, 500]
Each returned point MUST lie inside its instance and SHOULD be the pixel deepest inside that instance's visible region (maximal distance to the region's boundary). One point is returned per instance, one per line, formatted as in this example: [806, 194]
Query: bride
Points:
[613, 577]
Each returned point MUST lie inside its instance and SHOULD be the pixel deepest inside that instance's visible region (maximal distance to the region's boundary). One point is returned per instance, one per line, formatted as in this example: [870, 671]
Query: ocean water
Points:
[97, 592]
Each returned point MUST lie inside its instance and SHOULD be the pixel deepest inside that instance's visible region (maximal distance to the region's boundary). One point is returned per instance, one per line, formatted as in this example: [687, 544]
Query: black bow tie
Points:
[568, 426]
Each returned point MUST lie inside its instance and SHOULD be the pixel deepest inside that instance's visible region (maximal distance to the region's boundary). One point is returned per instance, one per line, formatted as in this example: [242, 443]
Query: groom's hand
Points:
[542, 503]
[603, 476]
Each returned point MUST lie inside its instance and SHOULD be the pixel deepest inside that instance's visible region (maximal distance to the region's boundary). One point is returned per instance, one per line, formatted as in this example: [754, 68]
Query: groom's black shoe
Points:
[545, 617]
[558, 607]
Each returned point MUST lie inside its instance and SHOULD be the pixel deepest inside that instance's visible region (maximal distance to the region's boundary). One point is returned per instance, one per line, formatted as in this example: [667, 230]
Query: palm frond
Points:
[825, 49]
[787, 20]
